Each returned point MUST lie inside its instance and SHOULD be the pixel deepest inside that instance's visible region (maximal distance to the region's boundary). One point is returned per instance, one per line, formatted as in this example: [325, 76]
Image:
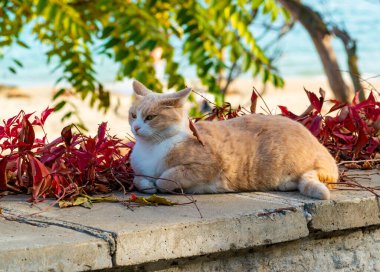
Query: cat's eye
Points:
[150, 117]
[133, 115]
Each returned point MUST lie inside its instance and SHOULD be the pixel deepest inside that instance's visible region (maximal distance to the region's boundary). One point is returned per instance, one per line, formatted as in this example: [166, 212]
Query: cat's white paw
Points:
[145, 185]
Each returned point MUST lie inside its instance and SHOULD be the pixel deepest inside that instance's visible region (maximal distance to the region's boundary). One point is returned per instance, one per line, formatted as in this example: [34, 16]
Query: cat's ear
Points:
[140, 89]
[138, 97]
[177, 99]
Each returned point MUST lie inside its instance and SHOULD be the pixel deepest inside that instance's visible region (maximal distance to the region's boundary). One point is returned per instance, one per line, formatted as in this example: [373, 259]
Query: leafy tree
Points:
[214, 36]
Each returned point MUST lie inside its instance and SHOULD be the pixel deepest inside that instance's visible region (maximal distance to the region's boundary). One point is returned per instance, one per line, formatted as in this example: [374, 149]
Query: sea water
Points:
[297, 58]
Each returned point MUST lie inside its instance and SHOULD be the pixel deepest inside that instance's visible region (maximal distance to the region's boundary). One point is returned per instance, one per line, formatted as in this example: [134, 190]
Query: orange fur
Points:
[250, 153]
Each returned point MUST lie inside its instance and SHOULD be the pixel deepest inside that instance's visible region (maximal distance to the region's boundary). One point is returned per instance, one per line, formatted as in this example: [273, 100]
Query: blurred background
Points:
[81, 56]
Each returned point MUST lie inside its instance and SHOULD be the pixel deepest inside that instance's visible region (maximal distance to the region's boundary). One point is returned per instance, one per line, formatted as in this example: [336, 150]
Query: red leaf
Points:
[370, 101]
[337, 105]
[315, 126]
[2, 132]
[101, 133]
[315, 102]
[45, 114]
[41, 178]
[287, 113]
[195, 132]
[343, 114]
[3, 174]
[345, 137]
[67, 135]
[356, 99]
[253, 101]
[361, 141]
[130, 145]
[26, 135]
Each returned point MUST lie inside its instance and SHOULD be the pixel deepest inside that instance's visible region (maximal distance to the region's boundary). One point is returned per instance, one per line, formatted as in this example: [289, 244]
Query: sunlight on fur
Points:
[249, 153]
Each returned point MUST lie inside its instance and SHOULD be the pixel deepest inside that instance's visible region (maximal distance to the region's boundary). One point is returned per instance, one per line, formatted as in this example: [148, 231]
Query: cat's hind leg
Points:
[310, 185]
[288, 184]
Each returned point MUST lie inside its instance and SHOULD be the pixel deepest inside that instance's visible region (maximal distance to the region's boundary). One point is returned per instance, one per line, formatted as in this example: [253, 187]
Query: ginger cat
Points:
[249, 153]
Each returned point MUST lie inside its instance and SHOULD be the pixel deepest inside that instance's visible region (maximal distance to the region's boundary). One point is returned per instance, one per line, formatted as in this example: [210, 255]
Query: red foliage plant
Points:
[349, 131]
[76, 164]
[70, 165]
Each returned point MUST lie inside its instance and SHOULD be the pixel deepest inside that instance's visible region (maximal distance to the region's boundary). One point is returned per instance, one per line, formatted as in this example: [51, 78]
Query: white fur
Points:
[310, 185]
[149, 158]
[145, 185]
[144, 127]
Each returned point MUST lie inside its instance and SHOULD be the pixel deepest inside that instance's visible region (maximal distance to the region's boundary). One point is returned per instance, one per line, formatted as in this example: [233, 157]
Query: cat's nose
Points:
[136, 128]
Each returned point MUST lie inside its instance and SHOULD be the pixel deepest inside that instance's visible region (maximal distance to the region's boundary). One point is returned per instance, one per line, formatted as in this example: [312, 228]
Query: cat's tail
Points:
[310, 185]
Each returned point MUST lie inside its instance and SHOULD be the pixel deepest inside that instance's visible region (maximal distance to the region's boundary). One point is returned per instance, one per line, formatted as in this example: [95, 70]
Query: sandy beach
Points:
[37, 99]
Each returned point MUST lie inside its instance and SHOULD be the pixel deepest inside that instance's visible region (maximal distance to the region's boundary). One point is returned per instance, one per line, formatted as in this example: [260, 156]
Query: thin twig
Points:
[258, 93]
[371, 160]
[204, 98]
[182, 193]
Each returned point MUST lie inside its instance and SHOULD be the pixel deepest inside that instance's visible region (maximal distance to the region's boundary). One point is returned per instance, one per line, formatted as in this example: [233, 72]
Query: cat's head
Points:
[154, 116]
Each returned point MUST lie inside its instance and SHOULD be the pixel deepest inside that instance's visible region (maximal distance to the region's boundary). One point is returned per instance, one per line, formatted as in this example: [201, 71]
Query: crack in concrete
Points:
[42, 221]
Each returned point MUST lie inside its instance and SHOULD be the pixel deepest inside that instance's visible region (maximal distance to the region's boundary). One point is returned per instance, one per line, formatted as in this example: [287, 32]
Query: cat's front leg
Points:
[145, 185]
[172, 179]
[168, 181]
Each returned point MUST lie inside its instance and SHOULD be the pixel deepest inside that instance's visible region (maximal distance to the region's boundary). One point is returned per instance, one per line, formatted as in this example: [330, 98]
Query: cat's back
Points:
[254, 126]
[255, 147]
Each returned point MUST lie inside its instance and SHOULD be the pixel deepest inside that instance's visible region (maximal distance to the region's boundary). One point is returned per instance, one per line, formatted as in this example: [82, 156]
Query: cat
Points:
[250, 153]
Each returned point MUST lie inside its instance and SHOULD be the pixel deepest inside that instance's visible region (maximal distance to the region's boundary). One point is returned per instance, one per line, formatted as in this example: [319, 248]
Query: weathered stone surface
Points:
[25, 247]
[152, 234]
[344, 213]
[200, 238]
[149, 234]
[310, 254]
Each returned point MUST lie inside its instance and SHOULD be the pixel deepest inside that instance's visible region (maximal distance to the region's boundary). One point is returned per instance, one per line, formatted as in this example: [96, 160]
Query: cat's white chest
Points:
[149, 158]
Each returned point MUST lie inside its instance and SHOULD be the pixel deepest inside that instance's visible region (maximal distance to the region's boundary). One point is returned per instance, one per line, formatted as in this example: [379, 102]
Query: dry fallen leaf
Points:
[153, 200]
[352, 165]
[87, 201]
[367, 165]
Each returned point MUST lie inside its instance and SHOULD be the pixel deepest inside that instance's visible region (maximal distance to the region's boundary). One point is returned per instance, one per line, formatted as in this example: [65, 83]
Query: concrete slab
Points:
[24, 247]
[230, 222]
[147, 234]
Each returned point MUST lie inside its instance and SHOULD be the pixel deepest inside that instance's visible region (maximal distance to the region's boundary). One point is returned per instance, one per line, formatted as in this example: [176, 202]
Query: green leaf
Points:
[246, 63]
[13, 70]
[59, 93]
[274, 14]
[107, 31]
[266, 75]
[112, 42]
[256, 4]
[21, 43]
[286, 14]
[59, 105]
[18, 63]
[129, 67]
[41, 5]
[150, 44]
[269, 5]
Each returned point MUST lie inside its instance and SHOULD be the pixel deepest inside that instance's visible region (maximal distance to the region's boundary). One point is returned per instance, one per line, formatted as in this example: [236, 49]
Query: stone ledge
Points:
[149, 234]
[24, 247]
[350, 250]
